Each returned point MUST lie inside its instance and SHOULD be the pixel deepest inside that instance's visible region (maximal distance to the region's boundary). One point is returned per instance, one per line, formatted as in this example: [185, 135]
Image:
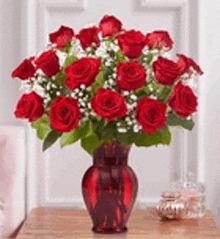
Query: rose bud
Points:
[62, 37]
[89, 37]
[188, 65]
[48, 62]
[25, 70]
[109, 104]
[161, 39]
[131, 76]
[131, 43]
[151, 114]
[82, 72]
[166, 71]
[30, 107]
[64, 114]
[109, 26]
[183, 101]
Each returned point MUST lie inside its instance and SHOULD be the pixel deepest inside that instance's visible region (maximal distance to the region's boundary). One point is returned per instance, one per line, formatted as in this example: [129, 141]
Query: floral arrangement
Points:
[107, 83]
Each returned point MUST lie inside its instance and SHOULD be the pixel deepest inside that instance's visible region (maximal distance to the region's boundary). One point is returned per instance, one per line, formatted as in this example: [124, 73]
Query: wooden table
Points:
[66, 223]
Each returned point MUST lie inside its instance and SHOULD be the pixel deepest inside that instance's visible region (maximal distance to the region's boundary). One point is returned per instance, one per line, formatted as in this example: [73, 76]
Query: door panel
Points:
[58, 172]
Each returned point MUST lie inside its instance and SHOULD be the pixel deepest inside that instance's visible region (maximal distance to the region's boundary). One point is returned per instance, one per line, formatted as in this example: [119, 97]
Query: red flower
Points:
[131, 76]
[62, 37]
[89, 37]
[151, 114]
[109, 104]
[25, 70]
[160, 38]
[64, 114]
[48, 62]
[109, 26]
[30, 107]
[166, 71]
[183, 101]
[131, 43]
[188, 65]
[82, 71]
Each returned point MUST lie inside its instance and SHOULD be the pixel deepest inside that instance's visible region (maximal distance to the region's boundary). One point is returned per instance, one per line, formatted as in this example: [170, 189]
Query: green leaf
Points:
[174, 120]
[164, 93]
[160, 137]
[60, 78]
[69, 60]
[90, 143]
[120, 56]
[43, 127]
[143, 91]
[109, 130]
[51, 139]
[69, 138]
[99, 82]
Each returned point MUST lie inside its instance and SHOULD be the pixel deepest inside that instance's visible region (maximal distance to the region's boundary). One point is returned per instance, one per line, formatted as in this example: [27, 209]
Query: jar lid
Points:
[170, 194]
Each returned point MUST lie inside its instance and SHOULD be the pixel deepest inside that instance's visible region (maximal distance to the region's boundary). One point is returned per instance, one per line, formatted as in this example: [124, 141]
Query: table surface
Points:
[69, 223]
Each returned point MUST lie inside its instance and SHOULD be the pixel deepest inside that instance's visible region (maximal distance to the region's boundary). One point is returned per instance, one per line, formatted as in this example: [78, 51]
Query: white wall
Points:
[205, 45]
[209, 57]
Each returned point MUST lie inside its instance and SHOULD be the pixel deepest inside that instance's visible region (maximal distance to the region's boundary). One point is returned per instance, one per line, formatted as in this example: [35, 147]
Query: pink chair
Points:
[12, 177]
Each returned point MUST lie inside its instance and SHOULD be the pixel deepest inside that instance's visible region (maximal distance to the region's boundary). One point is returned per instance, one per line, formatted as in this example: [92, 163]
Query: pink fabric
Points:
[12, 176]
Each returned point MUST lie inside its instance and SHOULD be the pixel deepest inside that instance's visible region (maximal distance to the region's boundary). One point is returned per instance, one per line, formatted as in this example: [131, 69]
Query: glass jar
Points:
[193, 194]
[171, 206]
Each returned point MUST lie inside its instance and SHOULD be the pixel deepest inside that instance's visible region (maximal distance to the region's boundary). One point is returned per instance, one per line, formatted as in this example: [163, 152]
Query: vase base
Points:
[109, 231]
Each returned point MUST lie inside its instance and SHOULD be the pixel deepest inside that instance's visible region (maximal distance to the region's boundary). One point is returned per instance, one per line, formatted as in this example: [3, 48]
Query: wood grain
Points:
[66, 223]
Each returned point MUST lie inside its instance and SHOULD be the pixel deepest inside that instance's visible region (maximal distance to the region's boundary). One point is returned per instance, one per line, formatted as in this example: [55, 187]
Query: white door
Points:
[54, 177]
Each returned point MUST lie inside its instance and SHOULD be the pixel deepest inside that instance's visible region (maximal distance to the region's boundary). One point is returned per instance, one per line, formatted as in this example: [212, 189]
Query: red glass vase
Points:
[109, 188]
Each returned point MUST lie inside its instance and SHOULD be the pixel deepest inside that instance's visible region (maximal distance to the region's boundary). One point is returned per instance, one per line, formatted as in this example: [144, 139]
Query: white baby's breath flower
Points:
[122, 130]
[62, 57]
[126, 93]
[80, 94]
[111, 81]
[133, 97]
[136, 128]
[114, 75]
[83, 86]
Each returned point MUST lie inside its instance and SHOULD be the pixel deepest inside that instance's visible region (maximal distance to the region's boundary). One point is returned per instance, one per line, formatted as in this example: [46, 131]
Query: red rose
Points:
[64, 114]
[166, 71]
[183, 101]
[188, 65]
[160, 38]
[131, 76]
[89, 37]
[109, 26]
[82, 71]
[151, 114]
[48, 62]
[25, 70]
[109, 104]
[62, 37]
[131, 43]
[30, 106]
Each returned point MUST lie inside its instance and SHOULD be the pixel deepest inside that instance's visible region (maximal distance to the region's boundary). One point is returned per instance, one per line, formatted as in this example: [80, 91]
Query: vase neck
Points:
[111, 154]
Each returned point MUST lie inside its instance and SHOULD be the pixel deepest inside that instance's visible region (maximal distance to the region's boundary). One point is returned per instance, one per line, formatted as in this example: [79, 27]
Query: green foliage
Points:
[60, 78]
[69, 60]
[120, 56]
[99, 82]
[174, 120]
[89, 139]
[162, 136]
[70, 137]
[51, 138]
[42, 126]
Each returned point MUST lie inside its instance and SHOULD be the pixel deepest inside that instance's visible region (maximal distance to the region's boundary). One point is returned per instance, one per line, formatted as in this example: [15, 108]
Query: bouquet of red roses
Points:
[107, 83]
